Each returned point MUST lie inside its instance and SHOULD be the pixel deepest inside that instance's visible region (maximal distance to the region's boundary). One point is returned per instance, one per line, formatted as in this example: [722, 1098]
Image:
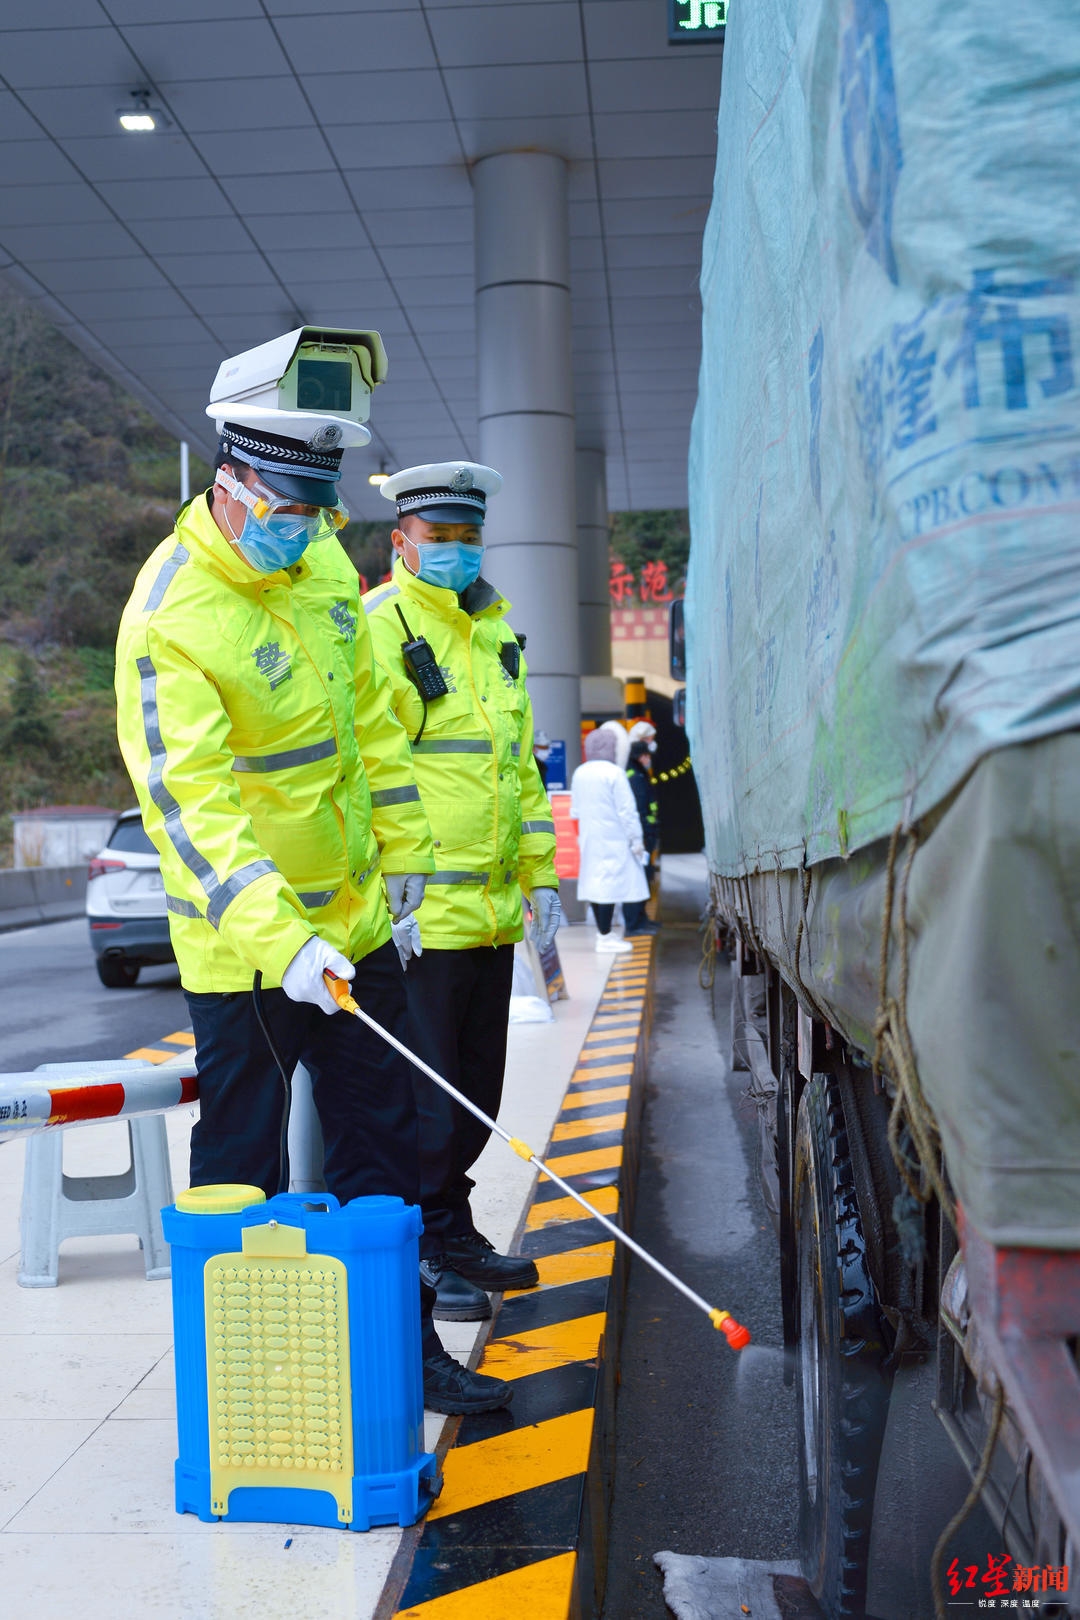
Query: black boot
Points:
[474, 1258]
[455, 1299]
[450, 1387]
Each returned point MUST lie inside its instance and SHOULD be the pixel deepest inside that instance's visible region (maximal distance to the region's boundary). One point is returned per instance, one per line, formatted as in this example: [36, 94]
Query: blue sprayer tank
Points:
[299, 1387]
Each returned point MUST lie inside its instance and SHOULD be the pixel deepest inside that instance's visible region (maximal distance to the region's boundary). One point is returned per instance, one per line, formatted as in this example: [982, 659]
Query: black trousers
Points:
[459, 1004]
[362, 1088]
[633, 911]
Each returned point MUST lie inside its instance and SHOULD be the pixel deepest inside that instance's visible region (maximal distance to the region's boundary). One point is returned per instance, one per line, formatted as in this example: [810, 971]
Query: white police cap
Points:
[443, 487]
[312, 386]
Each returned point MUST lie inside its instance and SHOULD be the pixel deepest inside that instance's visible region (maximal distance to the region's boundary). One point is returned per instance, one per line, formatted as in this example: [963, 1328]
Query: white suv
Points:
[125, 905]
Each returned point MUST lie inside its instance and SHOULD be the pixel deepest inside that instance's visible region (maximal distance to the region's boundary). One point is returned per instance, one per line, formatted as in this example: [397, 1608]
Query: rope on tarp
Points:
[780, 910]
[710, 929]
[715, 934]
[747, 925]
[800, 934]
[911, 1115]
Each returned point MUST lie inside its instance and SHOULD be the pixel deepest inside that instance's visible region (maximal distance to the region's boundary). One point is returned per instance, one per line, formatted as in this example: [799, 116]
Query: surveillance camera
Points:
[314, 378]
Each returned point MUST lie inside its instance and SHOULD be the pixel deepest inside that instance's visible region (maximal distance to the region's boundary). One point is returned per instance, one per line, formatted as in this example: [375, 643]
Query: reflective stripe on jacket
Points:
[270, 769]
[648, 806]
[491, 820]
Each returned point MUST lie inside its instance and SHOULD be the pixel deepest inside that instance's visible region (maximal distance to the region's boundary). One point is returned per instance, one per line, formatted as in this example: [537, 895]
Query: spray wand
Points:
[737, 1336]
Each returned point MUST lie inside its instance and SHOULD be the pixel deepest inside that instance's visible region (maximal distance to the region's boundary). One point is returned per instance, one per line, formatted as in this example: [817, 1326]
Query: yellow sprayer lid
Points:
[227, 1199]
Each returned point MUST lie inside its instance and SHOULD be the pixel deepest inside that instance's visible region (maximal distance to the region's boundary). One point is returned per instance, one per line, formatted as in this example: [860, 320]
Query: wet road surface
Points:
[705, 1447]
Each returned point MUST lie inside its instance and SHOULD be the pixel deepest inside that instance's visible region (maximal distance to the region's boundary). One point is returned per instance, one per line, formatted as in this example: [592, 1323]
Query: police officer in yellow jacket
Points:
[278, 786]
[458, 677]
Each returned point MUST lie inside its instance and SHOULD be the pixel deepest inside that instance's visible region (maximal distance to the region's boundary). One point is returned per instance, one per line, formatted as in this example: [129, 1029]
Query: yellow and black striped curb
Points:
[521, 1525]
[169, 1046]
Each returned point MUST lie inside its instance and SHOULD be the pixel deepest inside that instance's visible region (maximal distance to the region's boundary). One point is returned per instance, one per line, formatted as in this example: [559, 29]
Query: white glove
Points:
[406, 936]
[303, 979]
[404, 892]
[638, 852]
[547, 917]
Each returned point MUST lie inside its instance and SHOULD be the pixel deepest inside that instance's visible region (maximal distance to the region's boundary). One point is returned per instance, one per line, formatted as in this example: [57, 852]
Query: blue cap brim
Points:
[449, 512]
[305, 491]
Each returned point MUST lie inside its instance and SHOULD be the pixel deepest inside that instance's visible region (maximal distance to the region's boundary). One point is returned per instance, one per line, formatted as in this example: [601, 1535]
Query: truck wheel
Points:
[115, 973]
[842, 1392]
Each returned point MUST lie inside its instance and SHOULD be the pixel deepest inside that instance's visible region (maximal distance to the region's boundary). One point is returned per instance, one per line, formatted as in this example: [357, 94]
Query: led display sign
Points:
[691, 21]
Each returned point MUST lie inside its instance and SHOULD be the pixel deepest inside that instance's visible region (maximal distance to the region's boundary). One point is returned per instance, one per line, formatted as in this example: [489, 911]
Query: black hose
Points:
[423, 722]
[286, 1080]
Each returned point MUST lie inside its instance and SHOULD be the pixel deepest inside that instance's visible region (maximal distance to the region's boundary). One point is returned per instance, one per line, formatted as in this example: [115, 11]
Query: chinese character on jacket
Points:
[273, 663]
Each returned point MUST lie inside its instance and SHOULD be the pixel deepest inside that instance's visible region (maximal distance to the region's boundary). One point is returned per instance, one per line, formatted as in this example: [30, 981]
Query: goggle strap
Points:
[336, 516]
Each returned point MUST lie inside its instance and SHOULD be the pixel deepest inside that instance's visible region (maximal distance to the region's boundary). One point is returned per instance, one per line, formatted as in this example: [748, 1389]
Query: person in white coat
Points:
[609, 835]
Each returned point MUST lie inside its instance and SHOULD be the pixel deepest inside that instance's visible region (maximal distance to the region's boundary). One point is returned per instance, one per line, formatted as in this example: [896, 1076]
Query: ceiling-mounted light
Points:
[140, 118]
[380, 477]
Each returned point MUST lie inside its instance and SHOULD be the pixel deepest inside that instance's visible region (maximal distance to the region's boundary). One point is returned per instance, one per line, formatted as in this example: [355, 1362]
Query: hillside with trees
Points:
[641, 540]
[89, 484]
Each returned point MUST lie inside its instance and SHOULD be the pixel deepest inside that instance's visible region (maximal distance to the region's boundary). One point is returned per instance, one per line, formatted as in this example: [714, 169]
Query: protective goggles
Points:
[262, 503]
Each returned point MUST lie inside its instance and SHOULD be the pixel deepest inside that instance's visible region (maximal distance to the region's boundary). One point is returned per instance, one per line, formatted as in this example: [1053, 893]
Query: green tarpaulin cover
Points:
[884, 576]
[883, 602]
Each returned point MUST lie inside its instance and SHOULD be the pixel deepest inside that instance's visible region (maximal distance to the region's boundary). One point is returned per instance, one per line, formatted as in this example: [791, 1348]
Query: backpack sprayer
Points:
[737, 1336]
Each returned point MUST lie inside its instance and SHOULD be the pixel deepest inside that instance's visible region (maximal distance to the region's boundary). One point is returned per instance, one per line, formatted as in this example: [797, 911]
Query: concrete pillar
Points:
[526, 411]
[592, 537]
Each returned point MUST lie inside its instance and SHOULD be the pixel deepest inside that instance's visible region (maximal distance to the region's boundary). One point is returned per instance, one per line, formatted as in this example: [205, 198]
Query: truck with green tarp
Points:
[882, 631]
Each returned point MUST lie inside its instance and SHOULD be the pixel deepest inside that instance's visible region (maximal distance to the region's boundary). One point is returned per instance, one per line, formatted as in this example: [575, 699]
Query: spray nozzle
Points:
[737, 1336]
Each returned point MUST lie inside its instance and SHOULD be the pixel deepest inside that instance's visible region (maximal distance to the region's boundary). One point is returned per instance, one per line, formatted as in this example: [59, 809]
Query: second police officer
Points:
[642, 736]
[458, 676]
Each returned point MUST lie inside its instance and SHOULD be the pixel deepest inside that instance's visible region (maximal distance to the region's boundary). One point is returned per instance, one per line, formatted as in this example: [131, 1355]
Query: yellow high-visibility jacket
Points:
[273, 776]
[491, 821]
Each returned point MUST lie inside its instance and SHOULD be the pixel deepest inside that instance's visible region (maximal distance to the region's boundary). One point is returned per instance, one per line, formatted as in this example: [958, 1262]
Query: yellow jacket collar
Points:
[480, 597]
[198, 531]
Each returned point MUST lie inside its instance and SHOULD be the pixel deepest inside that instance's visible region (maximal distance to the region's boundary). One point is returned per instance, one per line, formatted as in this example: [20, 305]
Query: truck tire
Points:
[787, 1113]
[115, 973]
[842, 1391]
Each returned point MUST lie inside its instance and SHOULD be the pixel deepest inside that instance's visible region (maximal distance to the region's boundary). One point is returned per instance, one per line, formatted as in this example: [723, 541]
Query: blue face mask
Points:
[278, 542]
[450, 563]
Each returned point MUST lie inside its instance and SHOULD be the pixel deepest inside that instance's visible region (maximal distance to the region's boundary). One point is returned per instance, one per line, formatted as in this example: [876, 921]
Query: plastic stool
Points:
[56, 1206]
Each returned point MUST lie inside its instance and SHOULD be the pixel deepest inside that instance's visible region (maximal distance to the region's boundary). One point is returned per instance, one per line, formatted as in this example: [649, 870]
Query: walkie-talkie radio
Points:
[421, 664]
[510, 658]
